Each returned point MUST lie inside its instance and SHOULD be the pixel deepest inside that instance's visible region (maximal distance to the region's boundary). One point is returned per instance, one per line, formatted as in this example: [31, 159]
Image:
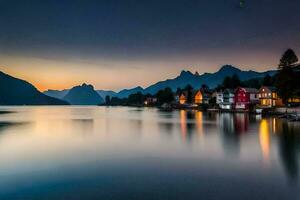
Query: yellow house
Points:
[294, 100]
[182, 99]
[198, 98]
[268, 97]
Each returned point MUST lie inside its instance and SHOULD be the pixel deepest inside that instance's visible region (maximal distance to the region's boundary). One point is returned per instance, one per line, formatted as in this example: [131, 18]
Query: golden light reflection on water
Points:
[183, 124]
[274, 125]
[264, 139]
[199, 122]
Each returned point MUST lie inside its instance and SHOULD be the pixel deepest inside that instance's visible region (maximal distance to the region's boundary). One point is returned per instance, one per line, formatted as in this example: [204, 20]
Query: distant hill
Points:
[83, 95]
[59, 94]
[210, 79]
[126, 92]
[104, 93]
[14, 91]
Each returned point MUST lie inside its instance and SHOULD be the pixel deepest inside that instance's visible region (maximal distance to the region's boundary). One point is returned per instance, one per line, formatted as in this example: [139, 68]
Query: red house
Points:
[245, 98]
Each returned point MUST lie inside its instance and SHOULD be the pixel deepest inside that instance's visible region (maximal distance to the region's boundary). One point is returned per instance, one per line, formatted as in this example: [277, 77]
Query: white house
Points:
[228, 100]
[219, 97]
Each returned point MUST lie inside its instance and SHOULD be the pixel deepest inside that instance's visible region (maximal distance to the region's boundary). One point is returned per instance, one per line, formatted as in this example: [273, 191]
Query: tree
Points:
[267, 81]
[178, 91]
[285, 77]
[204, 87]
[288, 59]
[115, 101]
[165, 96]
[137, 98]
[189, 90]
[252, 83]
[107, 100]
[236, 82]
[231, 82]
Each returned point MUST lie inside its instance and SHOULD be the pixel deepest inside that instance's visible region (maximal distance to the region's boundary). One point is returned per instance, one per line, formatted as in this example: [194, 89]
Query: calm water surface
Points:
[131, 153]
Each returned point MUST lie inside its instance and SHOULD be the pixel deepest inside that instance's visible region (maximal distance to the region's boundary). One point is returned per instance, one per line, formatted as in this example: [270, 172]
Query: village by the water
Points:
[272, 95]
[241, 99]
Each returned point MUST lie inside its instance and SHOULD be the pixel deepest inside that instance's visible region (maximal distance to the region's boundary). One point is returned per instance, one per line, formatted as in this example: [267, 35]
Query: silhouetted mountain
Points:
[59, 94]
[104, 93]
[185, 77]
[15, 91]
[210, 79]
[126, 92]
[83, 95]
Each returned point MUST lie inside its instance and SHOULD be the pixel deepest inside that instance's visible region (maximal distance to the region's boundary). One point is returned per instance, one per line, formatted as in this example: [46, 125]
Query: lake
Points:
[143, 153]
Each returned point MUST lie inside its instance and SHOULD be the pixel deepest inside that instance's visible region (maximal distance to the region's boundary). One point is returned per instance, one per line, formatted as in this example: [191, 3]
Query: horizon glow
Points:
[115, 44]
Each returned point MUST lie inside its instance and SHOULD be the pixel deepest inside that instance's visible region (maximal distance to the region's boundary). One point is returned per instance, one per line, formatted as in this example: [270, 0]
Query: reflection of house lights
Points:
[264, 139]
[199, 122]
[183, 123]
[274, 125]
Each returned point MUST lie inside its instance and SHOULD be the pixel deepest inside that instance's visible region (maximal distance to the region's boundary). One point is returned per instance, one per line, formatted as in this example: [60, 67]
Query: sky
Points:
[116, 44]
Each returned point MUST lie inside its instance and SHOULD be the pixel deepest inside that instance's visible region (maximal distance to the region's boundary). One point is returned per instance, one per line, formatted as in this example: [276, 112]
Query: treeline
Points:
[162, 96]
[138, 99]
[232, 82]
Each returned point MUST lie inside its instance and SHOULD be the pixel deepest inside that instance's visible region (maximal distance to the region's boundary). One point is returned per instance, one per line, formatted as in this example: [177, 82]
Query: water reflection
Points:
[191, 123]
[84, 126]
[7, 125]
[183, 123]
[199, 122]
[264, 139]
[130, 144]
[289, 143]
[241, 123]
[234, 126]
[230, 136]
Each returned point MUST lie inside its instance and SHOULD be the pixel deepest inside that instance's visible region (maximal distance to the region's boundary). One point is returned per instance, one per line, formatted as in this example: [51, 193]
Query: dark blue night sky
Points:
[138, 35]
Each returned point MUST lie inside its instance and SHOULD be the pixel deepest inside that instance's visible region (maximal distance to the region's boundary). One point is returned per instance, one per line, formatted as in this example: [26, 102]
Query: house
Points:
[183, 98]
[295, 100]
[245, 98]
[268, 97]
[202, 96]
[219, 97]
[150, 101]
[198, 98]
[228, 99]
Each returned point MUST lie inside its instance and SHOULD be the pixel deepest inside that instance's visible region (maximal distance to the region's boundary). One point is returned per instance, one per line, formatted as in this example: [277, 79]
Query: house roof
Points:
[270, 88]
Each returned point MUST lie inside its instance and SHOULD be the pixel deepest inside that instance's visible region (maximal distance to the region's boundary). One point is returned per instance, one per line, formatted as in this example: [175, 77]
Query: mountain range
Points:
[14, 91]
[83, 95]
[212, 80]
